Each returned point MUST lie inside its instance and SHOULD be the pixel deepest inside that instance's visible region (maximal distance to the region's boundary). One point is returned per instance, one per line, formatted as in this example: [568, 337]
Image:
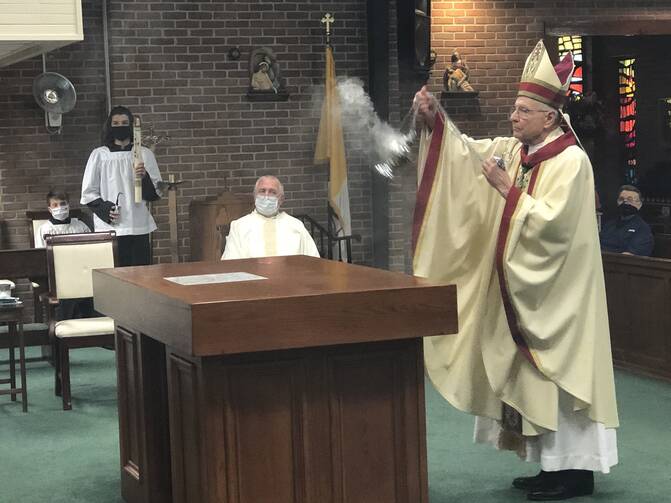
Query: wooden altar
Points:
[304, 386]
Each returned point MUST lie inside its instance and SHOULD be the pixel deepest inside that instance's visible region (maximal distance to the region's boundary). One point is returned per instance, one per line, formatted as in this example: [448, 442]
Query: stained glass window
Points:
[627, 92]
[665, 114]
[573, 43]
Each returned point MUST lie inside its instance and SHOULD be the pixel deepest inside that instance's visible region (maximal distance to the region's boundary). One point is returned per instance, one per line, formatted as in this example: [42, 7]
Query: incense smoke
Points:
[385, 145]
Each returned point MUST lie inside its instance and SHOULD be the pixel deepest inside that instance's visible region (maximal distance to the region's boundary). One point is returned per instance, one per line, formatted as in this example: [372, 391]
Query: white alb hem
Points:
[578, 444]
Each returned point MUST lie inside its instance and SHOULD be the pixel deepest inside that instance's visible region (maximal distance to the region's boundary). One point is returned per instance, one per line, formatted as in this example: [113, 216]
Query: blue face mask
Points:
[266, 205]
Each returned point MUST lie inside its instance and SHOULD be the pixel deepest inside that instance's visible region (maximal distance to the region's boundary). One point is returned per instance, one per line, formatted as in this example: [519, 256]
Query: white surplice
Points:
[110, 175]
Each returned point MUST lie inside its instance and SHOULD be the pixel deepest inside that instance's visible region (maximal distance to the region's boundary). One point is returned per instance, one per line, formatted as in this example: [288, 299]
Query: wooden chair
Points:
[35, 219]
[70, 259]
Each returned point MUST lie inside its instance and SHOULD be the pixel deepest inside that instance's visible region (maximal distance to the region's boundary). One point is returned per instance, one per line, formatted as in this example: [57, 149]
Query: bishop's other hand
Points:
[497, 176]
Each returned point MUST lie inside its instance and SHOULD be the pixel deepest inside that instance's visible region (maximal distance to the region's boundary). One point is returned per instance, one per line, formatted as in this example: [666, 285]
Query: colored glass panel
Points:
[573, 44]
[627, 92]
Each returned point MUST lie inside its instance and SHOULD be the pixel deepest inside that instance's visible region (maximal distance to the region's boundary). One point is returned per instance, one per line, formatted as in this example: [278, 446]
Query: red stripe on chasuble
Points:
[512, 202]
[532, 180]
[536, 159]
[428, 177]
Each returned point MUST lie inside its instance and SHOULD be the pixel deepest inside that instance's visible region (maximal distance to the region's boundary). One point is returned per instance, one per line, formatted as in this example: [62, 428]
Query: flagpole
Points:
[327, 20]
[331, 147]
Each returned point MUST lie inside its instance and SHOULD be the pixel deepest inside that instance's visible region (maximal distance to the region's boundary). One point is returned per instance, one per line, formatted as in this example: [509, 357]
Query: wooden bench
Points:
[662, 247]
[639, 312]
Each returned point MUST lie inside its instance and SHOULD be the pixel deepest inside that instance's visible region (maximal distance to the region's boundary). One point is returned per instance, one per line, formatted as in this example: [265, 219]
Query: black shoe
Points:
[567, 484]
[540, 481]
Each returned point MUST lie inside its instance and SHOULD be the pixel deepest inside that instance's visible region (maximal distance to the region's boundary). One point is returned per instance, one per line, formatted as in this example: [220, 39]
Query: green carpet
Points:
[54, 456]
[463, 472]
[50, 455]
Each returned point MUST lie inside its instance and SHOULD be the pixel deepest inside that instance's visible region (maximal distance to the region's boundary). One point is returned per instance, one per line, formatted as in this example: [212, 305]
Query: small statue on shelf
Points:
[264, 71]
[455, 78]
[263, 76]
[265, 83]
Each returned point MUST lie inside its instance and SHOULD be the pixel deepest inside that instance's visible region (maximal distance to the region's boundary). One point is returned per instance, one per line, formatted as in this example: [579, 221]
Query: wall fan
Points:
[56, 95]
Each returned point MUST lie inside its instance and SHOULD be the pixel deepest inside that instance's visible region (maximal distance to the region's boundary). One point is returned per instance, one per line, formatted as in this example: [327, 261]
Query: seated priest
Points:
[627, 233]
[267, 231]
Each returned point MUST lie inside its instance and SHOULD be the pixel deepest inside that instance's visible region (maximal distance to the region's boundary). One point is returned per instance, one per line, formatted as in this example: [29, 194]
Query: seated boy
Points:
[60, 222]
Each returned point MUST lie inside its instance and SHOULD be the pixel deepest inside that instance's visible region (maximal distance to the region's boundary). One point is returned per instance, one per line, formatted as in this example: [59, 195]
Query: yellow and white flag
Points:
[331, 147]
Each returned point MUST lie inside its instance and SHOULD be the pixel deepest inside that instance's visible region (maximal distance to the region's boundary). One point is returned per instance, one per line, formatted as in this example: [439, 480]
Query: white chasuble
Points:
[530, 287]
[254, 236]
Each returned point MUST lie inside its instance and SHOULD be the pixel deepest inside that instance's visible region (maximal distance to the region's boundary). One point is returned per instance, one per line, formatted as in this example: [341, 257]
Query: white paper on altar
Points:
[208, 279]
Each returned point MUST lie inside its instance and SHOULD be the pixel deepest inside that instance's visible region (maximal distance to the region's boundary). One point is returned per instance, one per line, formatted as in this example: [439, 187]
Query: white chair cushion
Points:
[85, 326]
[73, 265]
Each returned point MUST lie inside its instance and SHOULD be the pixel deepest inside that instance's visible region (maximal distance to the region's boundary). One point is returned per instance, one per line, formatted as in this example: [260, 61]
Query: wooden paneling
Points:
[185, 438]
[639, 294]
[264, 409]
[210, 223]
[129, 404]
[608, 27]
[366, 398]
[144, 446]
[338, 425]
[23, 263]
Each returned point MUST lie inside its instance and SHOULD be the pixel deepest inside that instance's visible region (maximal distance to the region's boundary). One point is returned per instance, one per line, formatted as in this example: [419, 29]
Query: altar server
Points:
[108, 189]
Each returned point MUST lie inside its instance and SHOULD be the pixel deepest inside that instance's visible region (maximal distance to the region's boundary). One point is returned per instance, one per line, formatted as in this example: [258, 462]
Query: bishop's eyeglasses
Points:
[523, 112]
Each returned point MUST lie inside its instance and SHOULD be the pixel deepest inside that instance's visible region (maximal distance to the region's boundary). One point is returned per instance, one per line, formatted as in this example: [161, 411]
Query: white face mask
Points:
[266, 205]
[60, 213]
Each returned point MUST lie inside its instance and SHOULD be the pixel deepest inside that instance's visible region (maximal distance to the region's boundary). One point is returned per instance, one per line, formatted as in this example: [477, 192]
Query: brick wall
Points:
[170, 65]
[31, 160]
[494, 37]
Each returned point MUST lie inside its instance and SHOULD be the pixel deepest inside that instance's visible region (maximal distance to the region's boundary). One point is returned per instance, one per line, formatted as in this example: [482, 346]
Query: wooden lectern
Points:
[304, 386]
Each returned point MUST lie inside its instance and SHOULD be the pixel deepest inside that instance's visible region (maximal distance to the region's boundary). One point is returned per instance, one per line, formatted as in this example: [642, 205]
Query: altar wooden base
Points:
[334, 424]
[305, 385]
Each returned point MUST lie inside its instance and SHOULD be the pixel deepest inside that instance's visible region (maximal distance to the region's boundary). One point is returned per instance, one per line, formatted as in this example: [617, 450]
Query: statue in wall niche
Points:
[264, 71]
[455, 78]
[265, 83]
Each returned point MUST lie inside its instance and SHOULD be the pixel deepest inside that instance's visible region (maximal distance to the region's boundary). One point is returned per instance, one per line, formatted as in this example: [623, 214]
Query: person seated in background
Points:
[60, 222]
[58, 204]
[627, 233]
[267, 231]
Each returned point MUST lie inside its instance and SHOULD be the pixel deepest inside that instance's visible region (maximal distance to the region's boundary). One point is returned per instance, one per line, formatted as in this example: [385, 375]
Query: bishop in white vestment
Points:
[512, 222]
